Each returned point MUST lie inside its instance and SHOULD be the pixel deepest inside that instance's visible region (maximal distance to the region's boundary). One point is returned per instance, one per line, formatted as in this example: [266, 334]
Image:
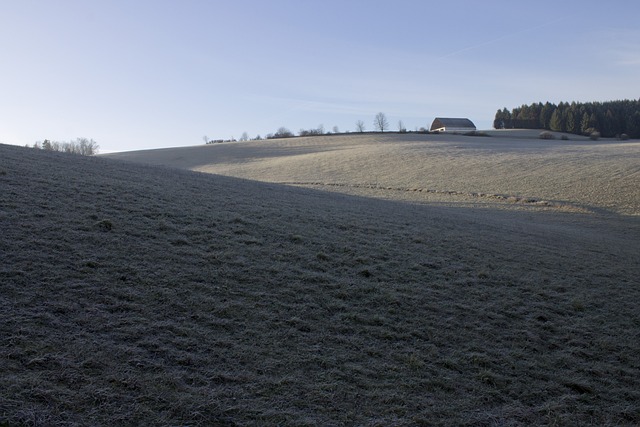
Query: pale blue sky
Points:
[134, 74]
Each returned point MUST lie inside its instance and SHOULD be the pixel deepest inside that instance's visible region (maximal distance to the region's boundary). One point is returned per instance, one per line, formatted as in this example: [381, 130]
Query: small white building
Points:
[445, 124]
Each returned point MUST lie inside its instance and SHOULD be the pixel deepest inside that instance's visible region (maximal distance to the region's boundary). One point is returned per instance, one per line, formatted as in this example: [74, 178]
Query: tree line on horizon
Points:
[81, 146]
[380, 124]
[610, 119]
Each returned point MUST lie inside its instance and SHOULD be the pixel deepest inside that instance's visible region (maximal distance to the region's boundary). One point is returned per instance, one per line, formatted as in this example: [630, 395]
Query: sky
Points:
[142, 74]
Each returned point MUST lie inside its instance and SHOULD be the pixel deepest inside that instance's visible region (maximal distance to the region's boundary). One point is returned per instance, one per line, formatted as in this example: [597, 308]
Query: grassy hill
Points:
[145, 295]
[496, 171]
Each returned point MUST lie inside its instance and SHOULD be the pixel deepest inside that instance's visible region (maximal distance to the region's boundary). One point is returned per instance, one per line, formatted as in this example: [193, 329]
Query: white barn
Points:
[444, 124]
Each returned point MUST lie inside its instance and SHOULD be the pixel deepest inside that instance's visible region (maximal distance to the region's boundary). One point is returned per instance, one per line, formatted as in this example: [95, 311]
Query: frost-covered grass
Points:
[144, 295]
[457, 170]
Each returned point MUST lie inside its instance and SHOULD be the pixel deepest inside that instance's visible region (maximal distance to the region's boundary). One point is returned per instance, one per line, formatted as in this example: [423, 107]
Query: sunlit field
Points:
[391, 280]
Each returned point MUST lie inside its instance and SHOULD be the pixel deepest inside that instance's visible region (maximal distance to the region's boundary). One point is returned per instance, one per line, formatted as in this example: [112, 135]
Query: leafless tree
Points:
[84, 146]
[380, 122]
[360, 126]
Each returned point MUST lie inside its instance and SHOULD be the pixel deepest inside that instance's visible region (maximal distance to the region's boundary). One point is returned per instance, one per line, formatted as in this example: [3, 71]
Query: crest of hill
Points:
[136, 294]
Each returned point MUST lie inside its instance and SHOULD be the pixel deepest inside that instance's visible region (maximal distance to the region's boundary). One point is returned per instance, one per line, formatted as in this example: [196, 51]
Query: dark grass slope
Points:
[133, 295]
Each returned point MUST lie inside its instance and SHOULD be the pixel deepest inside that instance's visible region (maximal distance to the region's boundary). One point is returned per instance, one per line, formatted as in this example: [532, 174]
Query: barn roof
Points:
[447, 122]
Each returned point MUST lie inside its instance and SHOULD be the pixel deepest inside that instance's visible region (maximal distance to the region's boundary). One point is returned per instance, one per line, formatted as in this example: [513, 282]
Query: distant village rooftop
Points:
[446, 124]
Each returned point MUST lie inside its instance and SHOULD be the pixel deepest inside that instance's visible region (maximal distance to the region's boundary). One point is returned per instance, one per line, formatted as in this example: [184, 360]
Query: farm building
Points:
[443, 124]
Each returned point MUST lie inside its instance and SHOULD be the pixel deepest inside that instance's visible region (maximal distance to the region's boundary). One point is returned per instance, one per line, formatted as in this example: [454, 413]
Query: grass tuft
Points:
[365, 273]
[483, 275]
[322, 256]
[104, 225]
[91, 264]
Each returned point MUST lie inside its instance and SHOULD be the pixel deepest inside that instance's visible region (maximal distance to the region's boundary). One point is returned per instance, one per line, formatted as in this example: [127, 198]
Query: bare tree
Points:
[84, 147]
[380, 122]
[360, 126]
[244, 137]
[401, 127]
[205, 138]
[336, 130]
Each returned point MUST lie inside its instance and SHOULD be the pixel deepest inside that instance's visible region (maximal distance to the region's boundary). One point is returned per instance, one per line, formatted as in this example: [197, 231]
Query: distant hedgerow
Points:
[82, 146]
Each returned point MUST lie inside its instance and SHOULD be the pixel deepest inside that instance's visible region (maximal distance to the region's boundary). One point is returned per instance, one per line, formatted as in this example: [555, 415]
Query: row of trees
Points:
[610, 119]
[82, 146]
[380, 124]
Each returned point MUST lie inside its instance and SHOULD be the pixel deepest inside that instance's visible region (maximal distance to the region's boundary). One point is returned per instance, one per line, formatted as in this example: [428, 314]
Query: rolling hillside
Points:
[509, 166]
[137, 294]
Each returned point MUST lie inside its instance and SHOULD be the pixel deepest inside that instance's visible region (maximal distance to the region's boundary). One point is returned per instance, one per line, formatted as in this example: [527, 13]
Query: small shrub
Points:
[623, 137]
[578, 305]
[564, 138]
[546, 135]
[594, 136]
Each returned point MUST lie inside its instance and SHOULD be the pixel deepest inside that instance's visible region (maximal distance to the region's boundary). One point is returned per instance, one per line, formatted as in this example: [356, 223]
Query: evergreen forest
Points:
[610, 119]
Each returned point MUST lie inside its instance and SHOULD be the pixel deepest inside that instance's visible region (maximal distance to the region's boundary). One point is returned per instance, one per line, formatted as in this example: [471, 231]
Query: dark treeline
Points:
[610, 119]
